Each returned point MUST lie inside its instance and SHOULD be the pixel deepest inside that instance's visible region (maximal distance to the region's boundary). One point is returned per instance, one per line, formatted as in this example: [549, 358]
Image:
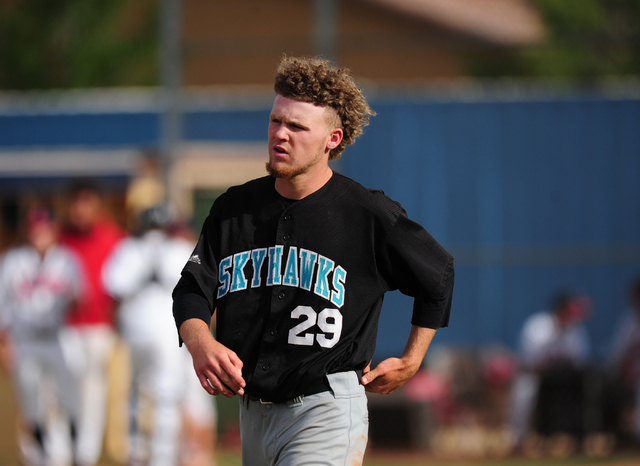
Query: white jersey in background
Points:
[36, 292]
[141, 275]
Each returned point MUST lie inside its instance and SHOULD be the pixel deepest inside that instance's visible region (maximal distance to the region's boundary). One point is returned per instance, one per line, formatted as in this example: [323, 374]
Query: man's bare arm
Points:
[392, 373]
[218, 368]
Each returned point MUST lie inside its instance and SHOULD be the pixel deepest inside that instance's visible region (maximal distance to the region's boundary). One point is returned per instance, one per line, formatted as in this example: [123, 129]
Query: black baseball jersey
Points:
[298, 285]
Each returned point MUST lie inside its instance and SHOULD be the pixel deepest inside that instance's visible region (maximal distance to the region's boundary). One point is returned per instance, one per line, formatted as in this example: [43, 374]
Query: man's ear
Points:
[335, 138]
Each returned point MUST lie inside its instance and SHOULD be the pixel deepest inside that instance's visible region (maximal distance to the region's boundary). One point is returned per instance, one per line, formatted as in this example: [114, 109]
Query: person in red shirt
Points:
[91, 333]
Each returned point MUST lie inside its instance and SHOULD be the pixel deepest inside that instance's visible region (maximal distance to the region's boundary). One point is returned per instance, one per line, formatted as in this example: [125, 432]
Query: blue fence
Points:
[530, 196]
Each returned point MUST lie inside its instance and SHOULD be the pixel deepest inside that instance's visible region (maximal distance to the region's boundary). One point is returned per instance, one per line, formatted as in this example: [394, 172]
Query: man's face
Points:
[42, 236]
[84, 210]
[300, 138]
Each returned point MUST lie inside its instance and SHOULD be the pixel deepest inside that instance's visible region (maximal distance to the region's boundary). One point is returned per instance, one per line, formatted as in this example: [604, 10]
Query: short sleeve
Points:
[417, 265]
[202, 266]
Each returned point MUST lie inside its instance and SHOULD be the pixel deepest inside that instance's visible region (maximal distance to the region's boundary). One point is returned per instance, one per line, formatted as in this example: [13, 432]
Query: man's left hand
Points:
[392, 373]
[387, 376]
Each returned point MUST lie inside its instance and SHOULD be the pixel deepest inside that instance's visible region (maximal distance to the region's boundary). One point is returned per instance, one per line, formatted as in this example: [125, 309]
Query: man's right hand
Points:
[218, 368]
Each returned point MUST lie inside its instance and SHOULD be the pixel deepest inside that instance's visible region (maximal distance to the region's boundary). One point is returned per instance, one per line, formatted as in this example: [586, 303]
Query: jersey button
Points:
[273, 332]
[281, 295]
[265, 367]
[286, 237]
[286, 217]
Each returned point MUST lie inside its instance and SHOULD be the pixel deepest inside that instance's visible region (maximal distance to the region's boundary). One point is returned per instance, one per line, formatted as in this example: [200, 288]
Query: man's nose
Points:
[281, 132]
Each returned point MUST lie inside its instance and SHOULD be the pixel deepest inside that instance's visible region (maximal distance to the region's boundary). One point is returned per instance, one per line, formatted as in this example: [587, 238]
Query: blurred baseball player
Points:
[296, 265]
[554, 348]
[141, 274]
[39, 283]
[625, 357]
[90, 335]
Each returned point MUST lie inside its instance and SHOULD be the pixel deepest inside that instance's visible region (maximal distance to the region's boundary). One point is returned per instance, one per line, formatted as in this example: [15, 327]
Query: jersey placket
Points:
[281, 299]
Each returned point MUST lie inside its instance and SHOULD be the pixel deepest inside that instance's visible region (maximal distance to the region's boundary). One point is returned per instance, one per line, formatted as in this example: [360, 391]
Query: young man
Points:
[296, 265]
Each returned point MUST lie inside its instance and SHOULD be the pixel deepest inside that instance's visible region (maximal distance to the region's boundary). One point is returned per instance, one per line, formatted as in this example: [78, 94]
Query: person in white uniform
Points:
[39, 283]
[550, 340]
[141, 274]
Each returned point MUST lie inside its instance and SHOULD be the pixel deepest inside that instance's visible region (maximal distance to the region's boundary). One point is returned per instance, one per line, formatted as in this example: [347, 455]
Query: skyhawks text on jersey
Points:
[305, 269]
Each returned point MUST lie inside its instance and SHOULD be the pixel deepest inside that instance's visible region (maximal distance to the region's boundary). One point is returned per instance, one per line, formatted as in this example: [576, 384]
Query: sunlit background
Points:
[508, 128]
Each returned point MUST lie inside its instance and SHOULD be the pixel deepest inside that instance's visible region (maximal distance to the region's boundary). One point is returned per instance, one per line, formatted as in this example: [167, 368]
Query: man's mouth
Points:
[279, 150]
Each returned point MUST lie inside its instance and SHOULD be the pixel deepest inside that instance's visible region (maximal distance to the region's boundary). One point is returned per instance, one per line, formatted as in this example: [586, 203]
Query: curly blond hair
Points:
[315, 80]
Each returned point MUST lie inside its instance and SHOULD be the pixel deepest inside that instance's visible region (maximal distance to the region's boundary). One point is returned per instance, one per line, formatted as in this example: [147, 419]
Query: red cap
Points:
[39, 215]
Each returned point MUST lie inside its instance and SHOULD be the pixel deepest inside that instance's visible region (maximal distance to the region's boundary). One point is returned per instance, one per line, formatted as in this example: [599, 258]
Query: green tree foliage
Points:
[585, 39]
[48, 44]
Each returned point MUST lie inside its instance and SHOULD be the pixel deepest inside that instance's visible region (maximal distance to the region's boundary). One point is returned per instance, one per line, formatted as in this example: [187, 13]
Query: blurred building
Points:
[381, 41]
[229, 51]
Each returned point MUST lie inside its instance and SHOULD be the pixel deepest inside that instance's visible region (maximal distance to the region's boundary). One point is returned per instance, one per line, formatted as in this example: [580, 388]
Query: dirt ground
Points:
[409, 459]
[8, 421]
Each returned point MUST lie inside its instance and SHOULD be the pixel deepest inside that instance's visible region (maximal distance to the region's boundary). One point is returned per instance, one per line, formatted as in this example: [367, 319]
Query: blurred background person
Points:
[90, 336]
[199, 409]
[546, 395]
[200, 421]
[625, 363]
[39, 283]
[141, 275]
[146, 189]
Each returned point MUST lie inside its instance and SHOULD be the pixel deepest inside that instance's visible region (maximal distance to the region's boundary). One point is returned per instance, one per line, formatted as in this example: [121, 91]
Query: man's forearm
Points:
[417, 345]
[218, 368]
[193, 332]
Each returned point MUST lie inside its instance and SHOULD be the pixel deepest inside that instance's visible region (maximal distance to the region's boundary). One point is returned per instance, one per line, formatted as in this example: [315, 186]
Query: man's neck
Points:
[303, 185]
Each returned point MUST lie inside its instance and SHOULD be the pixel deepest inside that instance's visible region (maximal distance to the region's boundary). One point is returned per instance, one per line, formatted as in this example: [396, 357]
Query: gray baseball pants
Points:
[325, 429]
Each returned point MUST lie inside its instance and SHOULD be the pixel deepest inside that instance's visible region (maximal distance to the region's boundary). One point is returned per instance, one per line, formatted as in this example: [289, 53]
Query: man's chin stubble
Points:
[285, 173]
